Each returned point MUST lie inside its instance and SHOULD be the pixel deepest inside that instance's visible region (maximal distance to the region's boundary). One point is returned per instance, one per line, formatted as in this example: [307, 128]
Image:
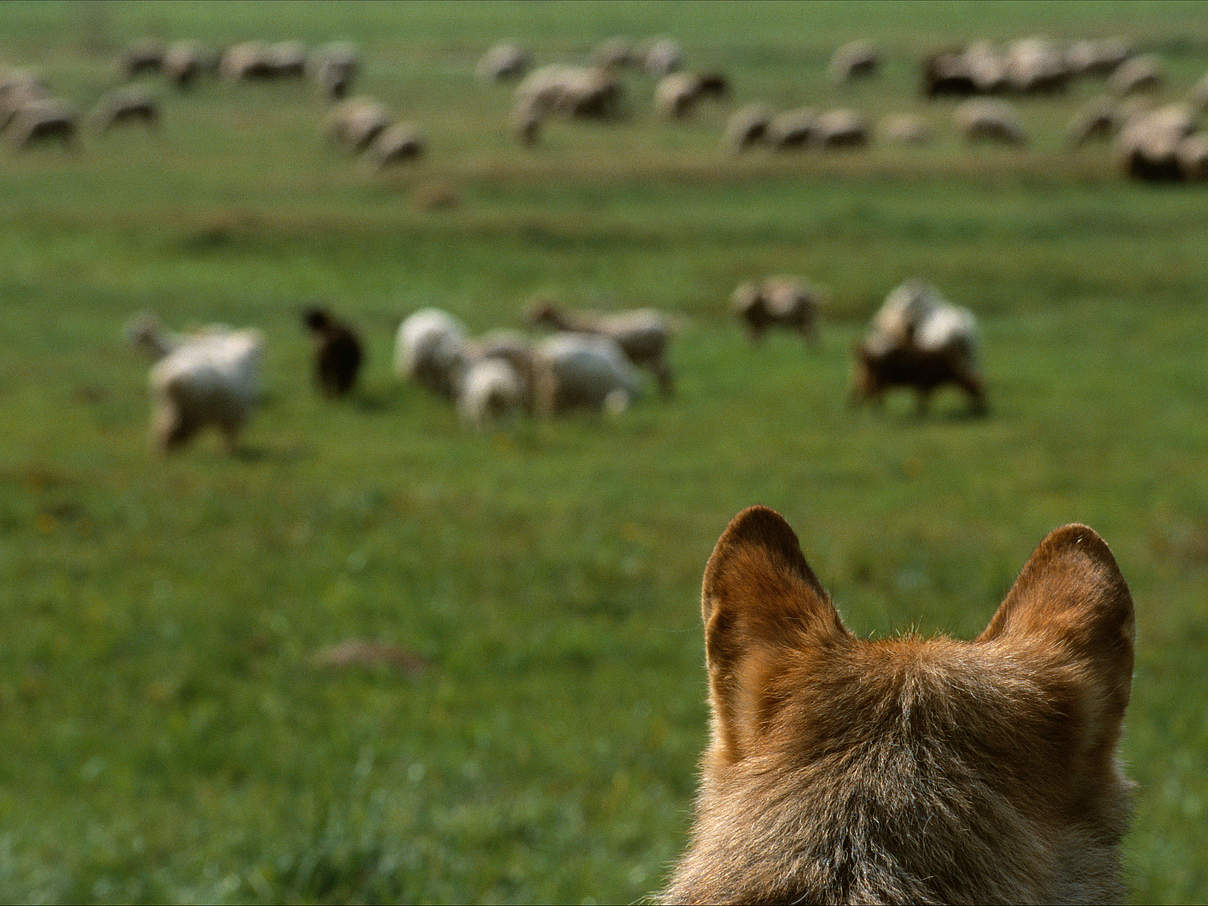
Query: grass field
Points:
[165, 735]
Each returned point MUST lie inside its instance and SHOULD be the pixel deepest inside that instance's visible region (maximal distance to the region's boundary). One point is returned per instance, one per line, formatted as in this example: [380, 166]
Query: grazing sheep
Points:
[1097, 57]
[43, 121]
[841, 129]
[502, 62]
[333, 68]
[1099, 118]
[144, 56]
[1148, 143]
[430, 348]
[675, 95]
[396, 144]
[989, 120]
[356, 122]
[576, 370]
[510, 346]
[946, 73]
[906, 129]
[919, 340]
[1036, 66]
[642, 334]
[792, 129]
[1137, 74]
[662, 57]
[17, 89]
[208, 378]
[247, 61]
[856, 59]
[786, 302]
[183, 63]
[287, 59]
[126, 105]
[1192, 153]
[489, 390]
[338, 352]
[747, 126]
[586, 92]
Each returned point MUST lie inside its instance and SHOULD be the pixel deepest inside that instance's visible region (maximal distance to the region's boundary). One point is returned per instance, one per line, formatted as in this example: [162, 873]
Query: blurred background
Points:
[385, 648]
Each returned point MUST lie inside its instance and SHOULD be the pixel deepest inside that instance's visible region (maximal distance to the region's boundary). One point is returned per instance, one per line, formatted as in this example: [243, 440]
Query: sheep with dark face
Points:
[356, 122]
[183, 63]
[642, 334]
[1147, 147]
[339, 352]
[747, 126]
[44, 121]
[396, 144]
[784, 302]
[918, 340]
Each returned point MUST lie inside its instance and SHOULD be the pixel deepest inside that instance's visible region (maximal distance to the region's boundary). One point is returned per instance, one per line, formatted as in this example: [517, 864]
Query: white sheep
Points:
[430, 348]
[1142, 73]
[841, 129]
[854, 60]
[574, 370]
[989, 119]
[786, 302]
[792, 128]
[490, 389]
[747, 126]
[915, 314]
[503, 61]
[205, 378]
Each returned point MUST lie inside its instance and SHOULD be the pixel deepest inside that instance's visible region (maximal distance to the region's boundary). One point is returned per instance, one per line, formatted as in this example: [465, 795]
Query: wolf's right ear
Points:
[759, 599]
[1071, 598]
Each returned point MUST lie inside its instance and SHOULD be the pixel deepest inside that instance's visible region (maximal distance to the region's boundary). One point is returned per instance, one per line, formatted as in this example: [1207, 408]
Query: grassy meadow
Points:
[166, 735]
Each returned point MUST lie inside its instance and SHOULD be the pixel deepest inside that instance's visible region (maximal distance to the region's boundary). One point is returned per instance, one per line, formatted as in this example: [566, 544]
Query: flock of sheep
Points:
[1152, 140]
[210, 377]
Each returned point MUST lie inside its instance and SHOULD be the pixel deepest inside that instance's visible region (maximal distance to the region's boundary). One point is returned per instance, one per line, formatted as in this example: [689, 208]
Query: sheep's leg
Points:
[663, 374]
[977, 395]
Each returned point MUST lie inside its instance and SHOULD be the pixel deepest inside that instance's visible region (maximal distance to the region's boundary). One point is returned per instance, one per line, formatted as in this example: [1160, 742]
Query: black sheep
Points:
[338, 352]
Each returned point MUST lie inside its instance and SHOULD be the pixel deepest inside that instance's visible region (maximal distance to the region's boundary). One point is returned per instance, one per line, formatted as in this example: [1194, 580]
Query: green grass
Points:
[165, 735]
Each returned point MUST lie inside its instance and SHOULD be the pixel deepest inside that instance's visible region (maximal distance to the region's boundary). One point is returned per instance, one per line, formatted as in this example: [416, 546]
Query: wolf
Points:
[910, 770]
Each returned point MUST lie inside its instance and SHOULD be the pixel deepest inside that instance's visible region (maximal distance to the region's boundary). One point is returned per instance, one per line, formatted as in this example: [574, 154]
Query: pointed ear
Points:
[759, 600]
[1071, 597]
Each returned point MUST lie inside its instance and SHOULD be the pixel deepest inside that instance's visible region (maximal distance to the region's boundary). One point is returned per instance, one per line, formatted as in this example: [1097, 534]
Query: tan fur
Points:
[910, 770]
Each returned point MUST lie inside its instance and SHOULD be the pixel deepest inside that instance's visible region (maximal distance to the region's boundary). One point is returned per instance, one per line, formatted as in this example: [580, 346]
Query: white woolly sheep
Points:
[145, 55]
[576, 370]
[614, 52]
[490, 389]
[676, 94]
[577, 91]
[643, 334]
[856, 59]
[333, 68]
[287, 59]
[786, 302]
[396, 144]
[791, 128]
[1192, 153]
[1036, 66]
[202, 379]
[841, 129]
[503, 61]
[182, 63]
[1097, 57]
[1143, 73]
[44, 120]
[1147, 146]
[990, 120]
[430, 348]
[126, 105]
[356, 122]
[246, 61]
[747, 126]
[662, 57]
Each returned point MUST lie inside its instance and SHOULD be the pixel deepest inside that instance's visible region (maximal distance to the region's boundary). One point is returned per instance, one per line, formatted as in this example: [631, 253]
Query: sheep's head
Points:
[316, 319]
[544, 311]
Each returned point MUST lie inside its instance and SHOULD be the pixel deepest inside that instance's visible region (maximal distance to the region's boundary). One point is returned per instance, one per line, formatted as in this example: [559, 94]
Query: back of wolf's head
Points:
[910, 770]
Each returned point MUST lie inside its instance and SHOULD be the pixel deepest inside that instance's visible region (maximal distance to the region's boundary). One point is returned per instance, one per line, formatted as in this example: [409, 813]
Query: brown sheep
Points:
[880, 368]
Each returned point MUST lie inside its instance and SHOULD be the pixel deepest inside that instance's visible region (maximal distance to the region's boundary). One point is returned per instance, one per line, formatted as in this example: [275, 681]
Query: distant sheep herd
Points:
[209, 377]
[1152, 141]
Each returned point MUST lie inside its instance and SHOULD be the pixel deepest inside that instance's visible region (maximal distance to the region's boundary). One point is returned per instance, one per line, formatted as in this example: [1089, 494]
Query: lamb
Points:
[207, 379]
[918, 340]
[339, 353]
[575, 370]
[126, 105]
[662, 57]
[182, 63]
[490, 389]
[430, 348]
[792, 128]
[778, 302]
[989, 120]
[502, 62]
[856, 59]
[642, 334]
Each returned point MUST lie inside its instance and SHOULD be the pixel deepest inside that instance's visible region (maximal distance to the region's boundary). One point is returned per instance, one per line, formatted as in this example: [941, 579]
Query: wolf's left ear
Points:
[759, 599]
[1071, 597]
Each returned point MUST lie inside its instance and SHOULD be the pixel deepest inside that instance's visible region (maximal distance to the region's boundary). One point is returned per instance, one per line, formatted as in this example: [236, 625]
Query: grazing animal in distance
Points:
[339, 352]
[778, 302]
[910, 770]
